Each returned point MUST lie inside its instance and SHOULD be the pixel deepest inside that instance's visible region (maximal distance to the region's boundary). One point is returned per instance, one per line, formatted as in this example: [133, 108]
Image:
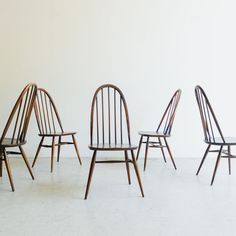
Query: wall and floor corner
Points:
[147, 48]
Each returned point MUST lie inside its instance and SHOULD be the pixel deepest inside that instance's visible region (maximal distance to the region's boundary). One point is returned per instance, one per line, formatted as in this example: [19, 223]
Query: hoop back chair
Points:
[110, 129]
[14, 133]
[213, 135]
[50, 126]
[154, 139]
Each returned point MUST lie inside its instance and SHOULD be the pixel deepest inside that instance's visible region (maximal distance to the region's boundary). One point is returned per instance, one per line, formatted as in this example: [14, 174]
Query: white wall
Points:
[149, 48]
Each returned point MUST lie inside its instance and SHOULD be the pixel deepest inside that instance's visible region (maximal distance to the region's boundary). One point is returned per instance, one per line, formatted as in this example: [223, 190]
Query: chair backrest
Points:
[47, 117]
[210, 124]
[167, 119]
[18, 121]
[109, 118]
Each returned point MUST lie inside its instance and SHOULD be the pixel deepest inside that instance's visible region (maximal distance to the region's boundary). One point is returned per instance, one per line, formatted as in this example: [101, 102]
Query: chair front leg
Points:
[38, 150]
[171, 157]
[58, 148]
[92, 164]
[229, 160]
[216, 166]
[137, 173]
[52, 152]
[8, 170]
[146, 153]
[203, 159]
[127, 166]
[139, 146]
[26, 161]
[162, 149]
[1, 159]
[76, 149]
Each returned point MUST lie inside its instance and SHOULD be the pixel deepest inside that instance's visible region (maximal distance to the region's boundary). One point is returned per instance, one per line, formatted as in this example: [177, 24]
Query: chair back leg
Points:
[127, 166]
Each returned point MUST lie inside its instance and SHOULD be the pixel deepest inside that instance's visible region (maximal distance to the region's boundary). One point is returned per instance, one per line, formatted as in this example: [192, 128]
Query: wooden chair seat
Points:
[112, 147]
[158, 138]
[8, 142]
[153, 134]
[64, 133]
[218, 141]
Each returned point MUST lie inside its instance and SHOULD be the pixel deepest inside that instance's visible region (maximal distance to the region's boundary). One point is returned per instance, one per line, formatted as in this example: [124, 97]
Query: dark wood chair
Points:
[50, 127]
[158, 138]
[110, 129]
[14, 133]
[213, 135]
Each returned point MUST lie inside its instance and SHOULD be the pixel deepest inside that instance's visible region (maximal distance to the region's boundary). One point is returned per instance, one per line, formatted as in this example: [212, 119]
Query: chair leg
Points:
[162, 149]
[216, 166]
[127, 166]
[52, 153]
[139, 146]
[146, 152]
[171, 157]
[76, 149]
[1, 163]
[137, 172]
[26, 161]
[58, 149]
[8, 170]
[92, 164]
[203, 159]
[38, 150]
[229, 160]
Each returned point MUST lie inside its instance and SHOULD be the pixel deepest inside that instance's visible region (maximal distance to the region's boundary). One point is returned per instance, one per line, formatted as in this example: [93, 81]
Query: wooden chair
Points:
[50, 126]
[213, 135]
[162, 133]
[14, 133]
[110, 129]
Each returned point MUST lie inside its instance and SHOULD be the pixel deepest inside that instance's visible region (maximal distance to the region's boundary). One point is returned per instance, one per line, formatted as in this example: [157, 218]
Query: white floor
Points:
[176, 203]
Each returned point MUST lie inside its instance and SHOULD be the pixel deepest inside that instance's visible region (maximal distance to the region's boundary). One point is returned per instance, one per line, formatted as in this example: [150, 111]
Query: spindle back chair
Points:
[110, 129]
[50, 126]
[14, 133]
[213, 135]
[154, 139]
